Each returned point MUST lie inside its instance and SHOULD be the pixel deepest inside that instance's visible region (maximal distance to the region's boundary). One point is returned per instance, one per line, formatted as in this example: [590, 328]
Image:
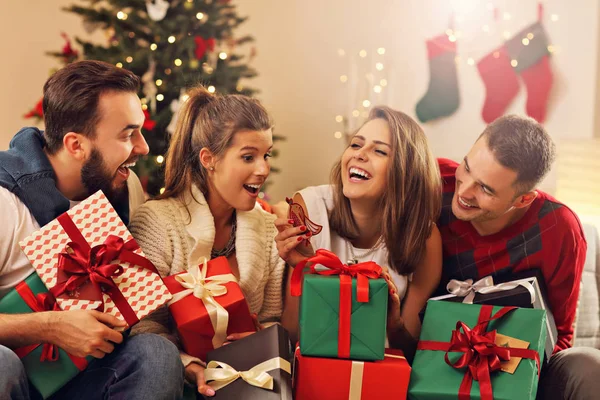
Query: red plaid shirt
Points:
[549, 237]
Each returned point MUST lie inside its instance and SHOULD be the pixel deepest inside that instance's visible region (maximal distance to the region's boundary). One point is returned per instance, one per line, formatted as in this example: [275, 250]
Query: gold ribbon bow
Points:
[222, 374]
[468, 289]
[206, 289]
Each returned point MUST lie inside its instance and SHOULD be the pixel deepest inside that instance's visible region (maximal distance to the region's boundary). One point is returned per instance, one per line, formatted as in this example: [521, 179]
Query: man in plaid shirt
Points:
[494, 222]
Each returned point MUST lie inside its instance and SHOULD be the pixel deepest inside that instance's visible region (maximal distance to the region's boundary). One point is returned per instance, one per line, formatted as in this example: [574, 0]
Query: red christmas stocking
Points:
[501, 83]
[534, 67]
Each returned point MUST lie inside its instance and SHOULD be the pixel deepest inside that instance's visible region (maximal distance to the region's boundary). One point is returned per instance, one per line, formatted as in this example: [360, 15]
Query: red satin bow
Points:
[40, 303]
[362, 272]
[202, 45]
[480, 355]
[93, 264]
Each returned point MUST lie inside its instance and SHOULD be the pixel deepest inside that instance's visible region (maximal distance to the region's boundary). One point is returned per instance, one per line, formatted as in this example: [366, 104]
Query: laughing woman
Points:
[381, 206]
[217, 161]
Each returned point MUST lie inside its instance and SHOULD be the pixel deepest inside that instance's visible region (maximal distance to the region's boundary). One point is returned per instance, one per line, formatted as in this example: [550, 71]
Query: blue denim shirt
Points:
[26, 171]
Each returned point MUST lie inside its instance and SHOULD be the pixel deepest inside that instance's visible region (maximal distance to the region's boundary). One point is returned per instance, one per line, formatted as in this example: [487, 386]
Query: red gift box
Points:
[338, 379]
[207, 305]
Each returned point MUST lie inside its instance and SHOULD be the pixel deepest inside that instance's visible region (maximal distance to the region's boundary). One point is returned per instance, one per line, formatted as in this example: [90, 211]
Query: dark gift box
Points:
[525, 289]
[241, 364]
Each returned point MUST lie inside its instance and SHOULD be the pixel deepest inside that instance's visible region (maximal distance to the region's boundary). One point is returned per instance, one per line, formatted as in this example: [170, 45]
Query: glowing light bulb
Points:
[470, 61]
[171, 39]
[366, 103]
[377, 89]
[162, 190]
[160, 97]
[153, 46]
[121, 15]
[514, 63]
[129, 59]
[119, 65]
[178, 62]
[200, 16]
[525, 41]
[381, 51]
[362, 53]
[158, 82]
[160, 159]
[383, 82]
[337, 135]
[379, 66]
[344, 78]
[211, 89]
[223, 55]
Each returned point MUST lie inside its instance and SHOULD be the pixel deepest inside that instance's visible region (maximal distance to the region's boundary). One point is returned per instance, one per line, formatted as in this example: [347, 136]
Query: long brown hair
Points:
[412, 201]
[211, 121]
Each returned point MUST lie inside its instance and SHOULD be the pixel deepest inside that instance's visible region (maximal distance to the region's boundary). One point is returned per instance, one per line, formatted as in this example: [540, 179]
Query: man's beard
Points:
[96, 176]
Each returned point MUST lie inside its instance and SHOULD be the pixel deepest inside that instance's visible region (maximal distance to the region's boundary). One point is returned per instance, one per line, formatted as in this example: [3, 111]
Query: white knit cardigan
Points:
[173, 239]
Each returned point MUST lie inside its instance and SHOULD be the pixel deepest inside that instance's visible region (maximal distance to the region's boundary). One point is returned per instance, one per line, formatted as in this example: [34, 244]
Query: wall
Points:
[299, 65]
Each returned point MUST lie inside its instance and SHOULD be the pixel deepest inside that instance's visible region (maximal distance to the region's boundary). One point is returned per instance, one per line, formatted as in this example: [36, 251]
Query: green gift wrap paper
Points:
[46, 376]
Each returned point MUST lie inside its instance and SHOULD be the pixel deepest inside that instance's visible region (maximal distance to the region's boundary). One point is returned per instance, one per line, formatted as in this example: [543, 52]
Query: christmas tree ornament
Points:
[175, 106]
[149, 85]
[157, 9]
[91, 27]
[298, 216]
[442, 97]
[202, 46]
[36, 112]
[68, 53]
[149, 123]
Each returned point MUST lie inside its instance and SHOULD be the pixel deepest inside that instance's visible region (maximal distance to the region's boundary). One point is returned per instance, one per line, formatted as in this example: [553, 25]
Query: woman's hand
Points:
[394, 317]
[195, 374]
[237, 336]
[290, 242]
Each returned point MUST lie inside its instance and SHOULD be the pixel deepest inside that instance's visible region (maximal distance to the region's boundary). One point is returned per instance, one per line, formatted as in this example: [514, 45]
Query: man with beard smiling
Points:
[495, 222]
[93, 119]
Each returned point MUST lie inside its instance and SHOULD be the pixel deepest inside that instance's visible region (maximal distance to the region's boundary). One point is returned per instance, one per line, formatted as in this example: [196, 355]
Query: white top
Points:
[319, 200]
[17, 223]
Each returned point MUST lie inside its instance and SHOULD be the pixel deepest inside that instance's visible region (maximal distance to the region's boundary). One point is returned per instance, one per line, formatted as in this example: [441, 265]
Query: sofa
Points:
[587, 323]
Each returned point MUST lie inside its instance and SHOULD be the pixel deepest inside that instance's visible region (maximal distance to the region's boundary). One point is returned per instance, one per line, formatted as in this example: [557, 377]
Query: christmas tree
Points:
[170, 45]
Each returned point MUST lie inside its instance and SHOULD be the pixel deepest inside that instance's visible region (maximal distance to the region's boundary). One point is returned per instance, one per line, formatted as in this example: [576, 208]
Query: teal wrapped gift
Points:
[457, 355]
[48, 367]
[343, 309]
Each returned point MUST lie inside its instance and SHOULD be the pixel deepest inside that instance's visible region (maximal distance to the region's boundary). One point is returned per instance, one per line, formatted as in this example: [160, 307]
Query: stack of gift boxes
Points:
[343, 314]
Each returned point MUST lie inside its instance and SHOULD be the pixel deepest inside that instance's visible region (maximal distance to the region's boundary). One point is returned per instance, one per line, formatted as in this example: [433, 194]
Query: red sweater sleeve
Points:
[563, 282]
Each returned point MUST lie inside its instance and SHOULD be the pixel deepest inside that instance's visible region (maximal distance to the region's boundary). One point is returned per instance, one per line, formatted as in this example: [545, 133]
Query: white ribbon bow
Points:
[222, 374]
[206, 289]
[468, 289]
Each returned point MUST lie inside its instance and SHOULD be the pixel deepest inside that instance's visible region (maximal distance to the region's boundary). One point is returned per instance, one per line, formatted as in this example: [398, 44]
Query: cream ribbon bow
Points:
[222, 374]
[206, 289]
[468, 289]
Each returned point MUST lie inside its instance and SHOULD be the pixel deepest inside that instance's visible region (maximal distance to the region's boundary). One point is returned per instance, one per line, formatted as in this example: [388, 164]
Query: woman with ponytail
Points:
[217, 161]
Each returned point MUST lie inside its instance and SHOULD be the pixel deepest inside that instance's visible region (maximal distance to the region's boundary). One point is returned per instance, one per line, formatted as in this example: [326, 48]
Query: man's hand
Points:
[195, 374]
[289, 238]
[85, 332]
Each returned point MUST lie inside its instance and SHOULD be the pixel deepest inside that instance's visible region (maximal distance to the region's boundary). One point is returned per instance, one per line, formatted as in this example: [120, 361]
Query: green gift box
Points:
[432, 378]
[343, 311]
[46, 376]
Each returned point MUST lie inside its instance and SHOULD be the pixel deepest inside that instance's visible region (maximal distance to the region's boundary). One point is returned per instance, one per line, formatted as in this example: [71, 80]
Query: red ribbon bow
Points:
[362, 272]
[202, 45]
[97, 265]
[481, 355]
[40, 303]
